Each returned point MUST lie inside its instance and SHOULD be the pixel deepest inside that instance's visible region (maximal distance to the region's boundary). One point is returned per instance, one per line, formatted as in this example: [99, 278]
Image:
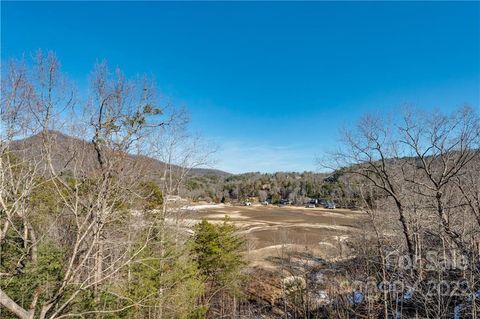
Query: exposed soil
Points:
[271, 231]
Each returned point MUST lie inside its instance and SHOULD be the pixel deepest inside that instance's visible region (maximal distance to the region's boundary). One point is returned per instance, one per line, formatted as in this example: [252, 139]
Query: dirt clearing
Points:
[271, 230]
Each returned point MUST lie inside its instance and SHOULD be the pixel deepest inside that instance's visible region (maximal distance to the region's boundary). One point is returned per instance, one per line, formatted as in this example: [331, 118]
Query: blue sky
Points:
[270, 83]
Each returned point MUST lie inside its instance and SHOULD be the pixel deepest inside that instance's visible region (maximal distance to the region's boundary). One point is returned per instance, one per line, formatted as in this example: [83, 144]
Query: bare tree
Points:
[422, 165]
[95, 180]
[442, 148]
[372, 152]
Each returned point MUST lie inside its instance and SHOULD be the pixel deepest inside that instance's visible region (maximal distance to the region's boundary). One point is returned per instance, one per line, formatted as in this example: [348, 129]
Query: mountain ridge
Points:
[30, 147]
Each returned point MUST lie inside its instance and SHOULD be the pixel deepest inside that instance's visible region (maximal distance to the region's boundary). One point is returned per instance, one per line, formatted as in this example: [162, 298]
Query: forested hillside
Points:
[201, 184]
[297, 187]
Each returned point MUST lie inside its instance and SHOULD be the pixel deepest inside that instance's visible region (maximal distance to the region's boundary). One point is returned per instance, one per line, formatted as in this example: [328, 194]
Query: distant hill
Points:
[66, 146]
[210, 171]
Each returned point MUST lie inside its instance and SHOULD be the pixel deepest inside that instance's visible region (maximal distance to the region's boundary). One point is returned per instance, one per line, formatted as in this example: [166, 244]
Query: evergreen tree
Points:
[217, 250]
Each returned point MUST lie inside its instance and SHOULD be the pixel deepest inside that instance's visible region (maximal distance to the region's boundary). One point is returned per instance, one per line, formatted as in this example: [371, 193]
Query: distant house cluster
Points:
[312, 203]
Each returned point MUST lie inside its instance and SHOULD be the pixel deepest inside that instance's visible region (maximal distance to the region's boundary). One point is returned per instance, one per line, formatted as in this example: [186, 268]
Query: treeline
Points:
[298, 188]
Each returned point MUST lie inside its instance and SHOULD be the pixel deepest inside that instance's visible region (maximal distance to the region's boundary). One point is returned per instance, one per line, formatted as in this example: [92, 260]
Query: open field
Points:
[271, 230]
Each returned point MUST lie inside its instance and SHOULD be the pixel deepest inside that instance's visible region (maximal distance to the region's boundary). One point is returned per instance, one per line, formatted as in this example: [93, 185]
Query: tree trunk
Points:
[11, 305]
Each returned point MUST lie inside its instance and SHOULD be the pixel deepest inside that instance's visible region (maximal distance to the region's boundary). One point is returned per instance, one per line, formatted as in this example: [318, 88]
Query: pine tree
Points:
[218, 250]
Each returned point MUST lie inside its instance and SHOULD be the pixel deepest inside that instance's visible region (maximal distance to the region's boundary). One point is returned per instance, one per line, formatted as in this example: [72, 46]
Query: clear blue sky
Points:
[271, 83]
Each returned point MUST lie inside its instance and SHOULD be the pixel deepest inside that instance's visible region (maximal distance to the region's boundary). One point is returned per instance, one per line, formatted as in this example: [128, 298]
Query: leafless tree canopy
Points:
[416, 174]
[73, 168]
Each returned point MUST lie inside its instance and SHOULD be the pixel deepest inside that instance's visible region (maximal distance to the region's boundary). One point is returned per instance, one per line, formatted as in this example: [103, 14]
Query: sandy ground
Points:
[271, 231]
